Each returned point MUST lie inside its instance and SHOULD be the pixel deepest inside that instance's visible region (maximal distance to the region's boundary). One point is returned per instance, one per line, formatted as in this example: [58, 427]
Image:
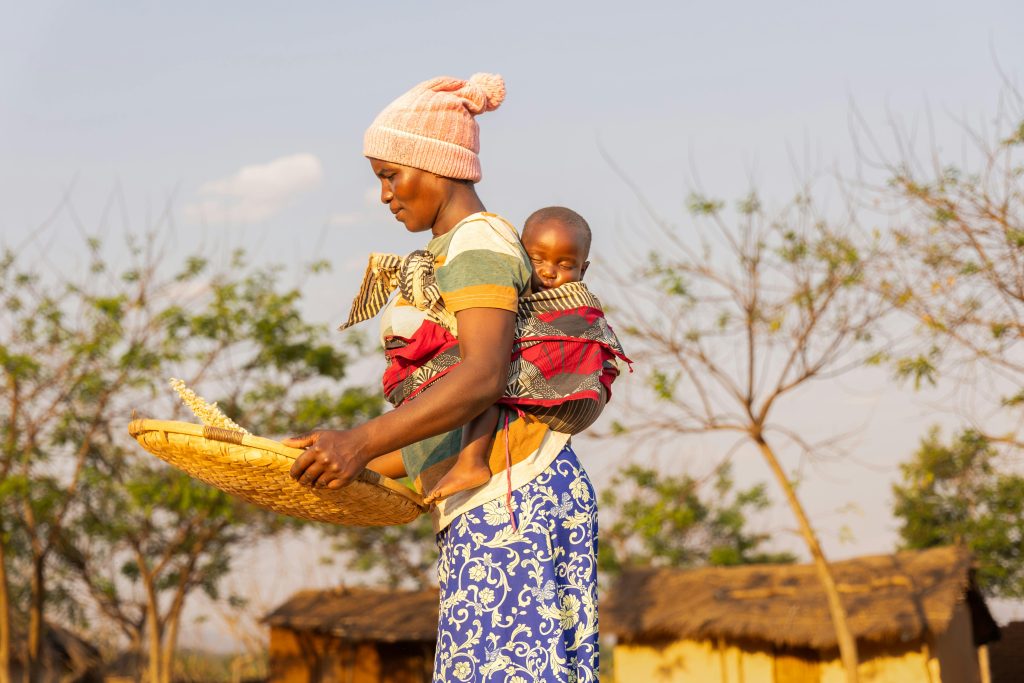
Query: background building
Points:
[917, 616]
[354, 635]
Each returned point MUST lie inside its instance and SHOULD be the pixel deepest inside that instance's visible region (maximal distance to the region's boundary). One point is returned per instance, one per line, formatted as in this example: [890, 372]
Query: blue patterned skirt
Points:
[521, 606]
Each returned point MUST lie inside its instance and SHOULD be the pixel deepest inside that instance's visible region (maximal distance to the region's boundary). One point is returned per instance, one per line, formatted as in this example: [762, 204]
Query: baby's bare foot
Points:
[461, 477]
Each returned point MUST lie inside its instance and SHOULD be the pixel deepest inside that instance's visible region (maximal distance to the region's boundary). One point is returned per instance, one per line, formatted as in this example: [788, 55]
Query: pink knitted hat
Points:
[432, 127]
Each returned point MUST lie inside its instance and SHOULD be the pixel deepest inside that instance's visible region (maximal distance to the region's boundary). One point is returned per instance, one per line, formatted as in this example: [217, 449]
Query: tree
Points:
[956, 267]
[78, 355]
[148, 532]
[955, 494]
[957, 272]
[659, 519]
[56, 351]
[736, 324]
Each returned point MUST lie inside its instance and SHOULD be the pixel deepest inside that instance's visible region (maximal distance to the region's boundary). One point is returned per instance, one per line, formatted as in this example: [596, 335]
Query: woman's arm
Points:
[333, 458]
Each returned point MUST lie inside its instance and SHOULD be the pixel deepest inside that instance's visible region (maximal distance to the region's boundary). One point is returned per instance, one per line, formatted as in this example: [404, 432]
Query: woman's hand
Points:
[334, 458]
[331, 460]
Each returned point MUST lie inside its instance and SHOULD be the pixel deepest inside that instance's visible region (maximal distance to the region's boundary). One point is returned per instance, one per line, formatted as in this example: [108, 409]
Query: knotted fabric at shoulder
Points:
[413, 276]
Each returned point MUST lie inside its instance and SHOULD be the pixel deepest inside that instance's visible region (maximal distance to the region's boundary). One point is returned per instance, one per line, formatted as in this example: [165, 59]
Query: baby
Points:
[557, 240]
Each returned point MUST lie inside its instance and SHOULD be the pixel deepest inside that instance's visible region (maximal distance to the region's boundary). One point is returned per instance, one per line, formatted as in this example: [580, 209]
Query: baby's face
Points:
[558, 254]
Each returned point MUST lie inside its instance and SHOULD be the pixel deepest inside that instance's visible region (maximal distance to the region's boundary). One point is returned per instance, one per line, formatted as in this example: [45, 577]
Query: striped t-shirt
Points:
[479, 263]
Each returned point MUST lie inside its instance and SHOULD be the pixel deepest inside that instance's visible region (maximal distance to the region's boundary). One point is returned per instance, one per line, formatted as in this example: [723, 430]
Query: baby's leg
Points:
[470, 469]
[389, 464]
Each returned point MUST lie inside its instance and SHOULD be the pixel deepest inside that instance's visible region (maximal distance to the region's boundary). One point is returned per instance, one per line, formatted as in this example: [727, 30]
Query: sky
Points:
[240, 124]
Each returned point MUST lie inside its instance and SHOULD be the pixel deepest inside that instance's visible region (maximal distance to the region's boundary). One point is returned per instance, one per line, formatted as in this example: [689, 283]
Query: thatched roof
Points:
[361, 614]
[66, 656]
[888, 598]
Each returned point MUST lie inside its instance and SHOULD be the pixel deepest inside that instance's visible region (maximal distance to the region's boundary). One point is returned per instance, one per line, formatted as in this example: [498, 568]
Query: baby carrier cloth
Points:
[563, 355]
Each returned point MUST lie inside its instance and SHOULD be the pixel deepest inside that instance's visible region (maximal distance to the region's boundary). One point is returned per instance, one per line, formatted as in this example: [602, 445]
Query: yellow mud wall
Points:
[953, 660]
[887, 664]
[297, 657]
[690, 661]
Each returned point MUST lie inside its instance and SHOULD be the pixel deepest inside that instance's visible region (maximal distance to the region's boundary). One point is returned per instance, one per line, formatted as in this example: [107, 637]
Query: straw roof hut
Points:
[354, 634]
[917, 616]
[66, 656]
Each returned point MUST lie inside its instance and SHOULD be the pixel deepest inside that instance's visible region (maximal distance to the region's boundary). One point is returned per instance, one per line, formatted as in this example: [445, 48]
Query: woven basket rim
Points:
[139, 427]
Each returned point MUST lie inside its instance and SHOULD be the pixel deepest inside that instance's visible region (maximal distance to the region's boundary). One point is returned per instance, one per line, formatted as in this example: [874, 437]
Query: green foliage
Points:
[663, 384]
[956, 493]
[794, 248]
[666, 277]
[1014, 400]
[395, 556]
[617, 428]
[920, 368]
[261, 408]
[1017, 138]
[749, 205]
[78, 355]
[667, 520]
[956, 271]
[700, 205]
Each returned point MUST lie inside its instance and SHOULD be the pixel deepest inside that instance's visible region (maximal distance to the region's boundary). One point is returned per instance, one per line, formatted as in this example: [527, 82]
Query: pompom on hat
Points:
[433, 126]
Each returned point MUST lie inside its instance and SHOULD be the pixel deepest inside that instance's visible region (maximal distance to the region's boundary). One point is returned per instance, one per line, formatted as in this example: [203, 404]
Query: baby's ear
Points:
[583, 269]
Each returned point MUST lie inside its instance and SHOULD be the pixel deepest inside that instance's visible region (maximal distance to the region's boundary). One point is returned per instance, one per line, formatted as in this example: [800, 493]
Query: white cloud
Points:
[256, 192]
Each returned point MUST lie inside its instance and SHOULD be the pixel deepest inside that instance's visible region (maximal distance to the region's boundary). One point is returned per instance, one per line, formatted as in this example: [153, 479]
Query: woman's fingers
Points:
[303, 440]
[302, 464]
[318, 469]
[302, 469]
[312, 473]
[326, 462]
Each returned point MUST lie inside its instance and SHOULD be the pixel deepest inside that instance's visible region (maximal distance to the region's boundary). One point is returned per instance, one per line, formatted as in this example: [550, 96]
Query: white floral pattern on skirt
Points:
[521, 606]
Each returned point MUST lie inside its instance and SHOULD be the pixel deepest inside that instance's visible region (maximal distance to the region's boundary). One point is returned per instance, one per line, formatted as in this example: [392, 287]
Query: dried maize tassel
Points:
[208, 413]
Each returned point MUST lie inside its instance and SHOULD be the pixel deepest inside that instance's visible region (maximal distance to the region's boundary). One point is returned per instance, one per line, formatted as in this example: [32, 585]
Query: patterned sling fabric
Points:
[413, 276]
[481, 263]
[379, 281]
[562, 358]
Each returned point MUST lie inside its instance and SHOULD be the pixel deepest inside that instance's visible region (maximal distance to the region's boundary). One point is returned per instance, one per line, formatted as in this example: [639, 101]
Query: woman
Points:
[517, 571]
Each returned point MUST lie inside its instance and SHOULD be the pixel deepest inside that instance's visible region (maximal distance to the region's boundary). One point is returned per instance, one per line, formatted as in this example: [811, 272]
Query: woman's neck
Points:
[462, 201]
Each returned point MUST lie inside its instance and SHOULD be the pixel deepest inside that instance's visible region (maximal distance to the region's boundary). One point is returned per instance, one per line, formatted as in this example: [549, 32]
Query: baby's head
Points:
[557, 241]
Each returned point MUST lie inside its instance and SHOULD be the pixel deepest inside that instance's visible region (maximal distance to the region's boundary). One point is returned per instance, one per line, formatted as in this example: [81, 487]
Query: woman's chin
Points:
[415, 227]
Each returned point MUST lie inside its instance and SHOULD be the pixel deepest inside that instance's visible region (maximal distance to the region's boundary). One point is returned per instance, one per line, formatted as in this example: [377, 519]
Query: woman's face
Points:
[414, 196]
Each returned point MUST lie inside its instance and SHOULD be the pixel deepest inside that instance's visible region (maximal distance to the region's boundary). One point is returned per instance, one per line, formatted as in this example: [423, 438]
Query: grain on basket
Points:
[208, 413]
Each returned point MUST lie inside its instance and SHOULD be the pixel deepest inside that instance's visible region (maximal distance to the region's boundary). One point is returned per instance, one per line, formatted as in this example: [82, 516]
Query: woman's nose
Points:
[386, 195]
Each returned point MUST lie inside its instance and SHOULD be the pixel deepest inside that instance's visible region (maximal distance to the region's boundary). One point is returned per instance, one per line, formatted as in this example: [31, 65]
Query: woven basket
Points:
[256, 469]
